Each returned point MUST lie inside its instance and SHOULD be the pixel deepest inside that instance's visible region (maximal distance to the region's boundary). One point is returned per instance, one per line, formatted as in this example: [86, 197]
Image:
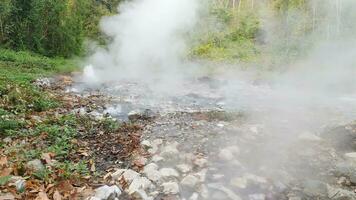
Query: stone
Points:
[340, 194]
[204, 191]
[151, 172]
[147, 144]
[189, 181]
[229, 153]
[309, 137]
[107, 192]
[157, 158]
[201, 175]
[257, 196]
[140, 183]
[117, 174]
[169, 172]
[184, 168]
[200, 162]
[141, 195]
[314, 188]
[170, 188]
[195, 196]
[129, 175]
[35, 165]
[239, 182]
[230, 194]
[146, 114]
[169, 151]
[351, 156]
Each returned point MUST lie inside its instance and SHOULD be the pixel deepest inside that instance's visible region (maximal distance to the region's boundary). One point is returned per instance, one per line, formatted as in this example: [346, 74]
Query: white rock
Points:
[152, 173]
[129, 175]
[157, 158]
[146, 144]
[107, 192]
[141, 195]
[351, 155]
[169, 172]
[204, 191]
[170, 188]
[157, 142]
[184, 168]
[195, 196]
[35, 165]
[310, 137]
[151, 166]
[169, 151]
[201, 175]
[189, 181]
[257, 197]
[140, 183]
[200, 162]
[239, 182]
[229, 153]
[117, 174]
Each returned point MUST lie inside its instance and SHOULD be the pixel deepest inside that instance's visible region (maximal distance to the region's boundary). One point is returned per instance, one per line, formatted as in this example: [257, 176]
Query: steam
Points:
[147, 40]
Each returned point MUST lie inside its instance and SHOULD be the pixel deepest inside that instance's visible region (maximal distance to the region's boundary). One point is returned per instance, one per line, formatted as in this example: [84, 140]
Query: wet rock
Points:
[169, 172]
[107, 192]
[340, 194]
[314, 188]
[184, 168]
[35, 165]
[189, 181]
[170, 188]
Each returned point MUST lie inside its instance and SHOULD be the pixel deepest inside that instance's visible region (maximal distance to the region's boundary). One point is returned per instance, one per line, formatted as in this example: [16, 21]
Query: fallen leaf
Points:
[47, 157]
[6, 171]
[7, 196]
[57, 195]
[42, 196]
[3, 161]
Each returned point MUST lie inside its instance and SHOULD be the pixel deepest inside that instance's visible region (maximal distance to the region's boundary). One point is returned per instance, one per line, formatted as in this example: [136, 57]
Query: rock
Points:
[107, 192]
[170, 151]
[309, 137]
[189, 181]
[141, 195]
[35, 165]
[204, 191]
[344, 169]
[340, 194]
[230, 194]
[229, 153]
[19, 182]
[140, 183]
[117, 174]
[184, 168]
[146, 144]
[157, 142]
[239, 182]
[151, 172]
[169, 172]
[351, 156]
[201, 175]
[129, 175]
[170, 188]
[7, 140]
[146, 114]
[200, 162]
[314, 188]
[195, 196]
[257, 197]
[157, 158]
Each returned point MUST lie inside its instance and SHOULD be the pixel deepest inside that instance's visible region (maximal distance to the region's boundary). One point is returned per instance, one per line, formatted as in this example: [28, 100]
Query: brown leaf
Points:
[57, 195]
[42, 196]
[3, 161]
[47, 157]
[6, 171]
[7, 196]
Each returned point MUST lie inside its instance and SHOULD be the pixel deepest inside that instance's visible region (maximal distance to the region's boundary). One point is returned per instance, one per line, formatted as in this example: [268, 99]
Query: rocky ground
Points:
[193, 144]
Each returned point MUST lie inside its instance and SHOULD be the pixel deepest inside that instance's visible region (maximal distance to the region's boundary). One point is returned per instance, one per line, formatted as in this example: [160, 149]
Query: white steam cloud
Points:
[147, 36]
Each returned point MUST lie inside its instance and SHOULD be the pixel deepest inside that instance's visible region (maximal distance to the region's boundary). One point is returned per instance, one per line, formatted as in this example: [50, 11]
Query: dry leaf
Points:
[47, 157]
[6, 171]
[3, 161]
[57, 195]
[7, 196]
[42, 196]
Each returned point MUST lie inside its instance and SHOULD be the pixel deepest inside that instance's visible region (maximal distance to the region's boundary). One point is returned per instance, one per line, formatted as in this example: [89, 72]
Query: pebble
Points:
[140, 183]
[169, 151]
[107, 192]
[170, 188]
[189, 181]
[157, 158]
[184, 168]
[35, 165]
[129, 175]
[169, 172]
[141, 195]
